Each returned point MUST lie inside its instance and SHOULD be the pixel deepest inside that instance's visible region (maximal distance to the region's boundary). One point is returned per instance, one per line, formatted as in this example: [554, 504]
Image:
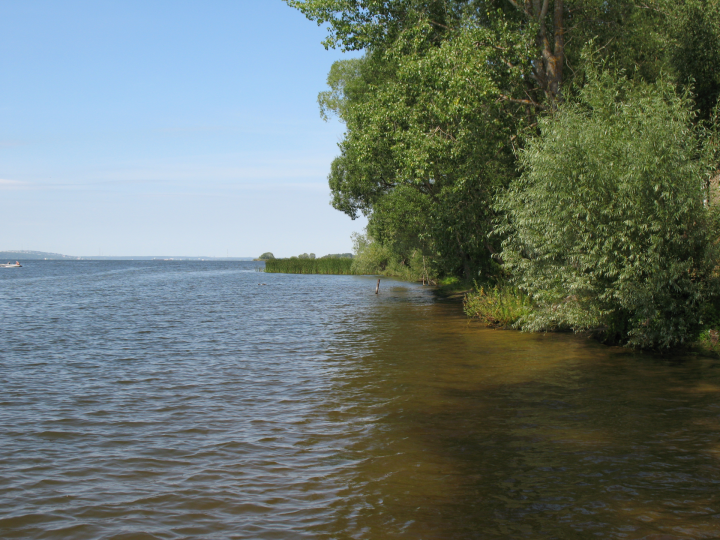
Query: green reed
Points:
[501, 305]
[309, 266]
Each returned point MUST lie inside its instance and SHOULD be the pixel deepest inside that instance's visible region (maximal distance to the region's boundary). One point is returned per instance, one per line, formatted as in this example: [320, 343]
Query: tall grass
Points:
[310, 266]
[501, 305]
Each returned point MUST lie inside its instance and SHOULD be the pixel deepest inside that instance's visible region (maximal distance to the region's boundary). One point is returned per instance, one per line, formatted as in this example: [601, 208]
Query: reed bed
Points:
[499, 306]
[310, 266]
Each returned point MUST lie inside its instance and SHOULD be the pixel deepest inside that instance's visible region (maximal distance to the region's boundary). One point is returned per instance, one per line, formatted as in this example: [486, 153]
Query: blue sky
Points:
[171, 127]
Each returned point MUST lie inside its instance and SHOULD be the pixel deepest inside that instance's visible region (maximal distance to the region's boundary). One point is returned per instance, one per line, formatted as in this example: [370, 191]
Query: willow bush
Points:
[310, 266]
[608, 226]
[377, 258]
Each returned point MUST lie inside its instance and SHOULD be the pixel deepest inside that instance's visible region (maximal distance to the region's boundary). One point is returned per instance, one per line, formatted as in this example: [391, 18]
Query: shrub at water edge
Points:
[608, 226]
[373, 257]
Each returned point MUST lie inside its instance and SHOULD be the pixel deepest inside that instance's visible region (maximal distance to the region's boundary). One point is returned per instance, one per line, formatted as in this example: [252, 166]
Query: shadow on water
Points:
[481, 433]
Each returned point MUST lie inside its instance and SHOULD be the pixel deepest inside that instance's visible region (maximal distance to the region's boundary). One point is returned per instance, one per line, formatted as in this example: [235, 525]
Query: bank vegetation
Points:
[560, 155]
[296, 265]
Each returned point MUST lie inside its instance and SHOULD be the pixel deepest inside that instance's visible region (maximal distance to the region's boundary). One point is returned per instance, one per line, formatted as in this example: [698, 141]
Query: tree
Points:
[427, 128]
[373, 24]
[448, 91]
[266, 256]
[695, 28]
[607, 226]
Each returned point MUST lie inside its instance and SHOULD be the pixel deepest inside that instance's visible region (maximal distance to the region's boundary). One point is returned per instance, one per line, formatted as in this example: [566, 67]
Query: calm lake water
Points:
[144, 400]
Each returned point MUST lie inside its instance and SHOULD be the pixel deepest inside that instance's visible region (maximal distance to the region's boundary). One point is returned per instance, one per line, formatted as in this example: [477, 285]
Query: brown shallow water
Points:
[184, 400]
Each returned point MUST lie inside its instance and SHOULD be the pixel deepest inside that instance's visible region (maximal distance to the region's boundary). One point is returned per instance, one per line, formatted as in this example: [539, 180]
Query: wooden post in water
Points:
[377, 287]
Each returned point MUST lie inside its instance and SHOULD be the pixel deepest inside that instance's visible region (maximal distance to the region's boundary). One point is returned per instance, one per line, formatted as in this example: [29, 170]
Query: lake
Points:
[167, 400]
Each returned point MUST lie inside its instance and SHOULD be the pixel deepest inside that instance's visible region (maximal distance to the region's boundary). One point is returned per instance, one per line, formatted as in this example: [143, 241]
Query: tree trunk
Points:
[466, 268]
[554, 58]
[547, 69]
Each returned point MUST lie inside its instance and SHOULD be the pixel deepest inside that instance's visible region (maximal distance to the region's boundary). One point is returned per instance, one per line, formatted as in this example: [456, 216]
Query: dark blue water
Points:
[208, 400]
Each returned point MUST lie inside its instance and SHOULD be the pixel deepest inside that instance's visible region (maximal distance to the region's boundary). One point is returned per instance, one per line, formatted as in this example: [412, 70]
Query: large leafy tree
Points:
[430, 118]
[448, 89]
[374, 24]
[644, 35]
[546, 25]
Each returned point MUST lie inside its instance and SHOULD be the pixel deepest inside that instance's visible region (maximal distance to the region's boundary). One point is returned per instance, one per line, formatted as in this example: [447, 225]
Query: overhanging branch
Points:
[523, 102]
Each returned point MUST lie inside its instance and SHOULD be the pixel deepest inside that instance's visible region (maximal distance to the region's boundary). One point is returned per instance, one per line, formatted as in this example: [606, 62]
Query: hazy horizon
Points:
[103, 256]
[166, 127]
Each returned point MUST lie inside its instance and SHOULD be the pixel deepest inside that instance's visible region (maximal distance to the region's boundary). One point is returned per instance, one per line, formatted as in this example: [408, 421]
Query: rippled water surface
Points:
[143, 400]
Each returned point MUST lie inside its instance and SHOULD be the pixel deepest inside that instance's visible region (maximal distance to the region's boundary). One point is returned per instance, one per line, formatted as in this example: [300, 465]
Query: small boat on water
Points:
[9, 265]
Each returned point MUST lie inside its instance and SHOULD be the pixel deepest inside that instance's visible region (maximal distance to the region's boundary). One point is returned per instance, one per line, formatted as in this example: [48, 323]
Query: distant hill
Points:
[34, 255]
[44, 255]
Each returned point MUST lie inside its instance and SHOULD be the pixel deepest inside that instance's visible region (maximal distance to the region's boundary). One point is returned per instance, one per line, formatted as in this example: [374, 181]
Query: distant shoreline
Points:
[46, 256]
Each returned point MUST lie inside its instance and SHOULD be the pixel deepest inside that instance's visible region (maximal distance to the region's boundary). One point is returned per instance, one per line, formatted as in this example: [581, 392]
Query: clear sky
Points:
[165, 127]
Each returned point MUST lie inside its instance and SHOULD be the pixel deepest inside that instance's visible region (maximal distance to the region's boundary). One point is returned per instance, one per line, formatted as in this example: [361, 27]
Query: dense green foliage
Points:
[607, 227]
[266, 256]
[310, 266]
[415, 158]
[695, 30]
[373, 257]
[475, 126]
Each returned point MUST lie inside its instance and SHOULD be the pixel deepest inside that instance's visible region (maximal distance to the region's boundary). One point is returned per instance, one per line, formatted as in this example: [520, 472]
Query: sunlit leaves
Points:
[607, 225]
[429, 117]
[375, 24]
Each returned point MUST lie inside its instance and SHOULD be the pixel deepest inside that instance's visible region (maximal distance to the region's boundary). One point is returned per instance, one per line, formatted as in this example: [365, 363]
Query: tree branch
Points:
[544, 11]
[523, 102]
[440, 25]
[438, 129]
[516, 5]
[492, 250]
